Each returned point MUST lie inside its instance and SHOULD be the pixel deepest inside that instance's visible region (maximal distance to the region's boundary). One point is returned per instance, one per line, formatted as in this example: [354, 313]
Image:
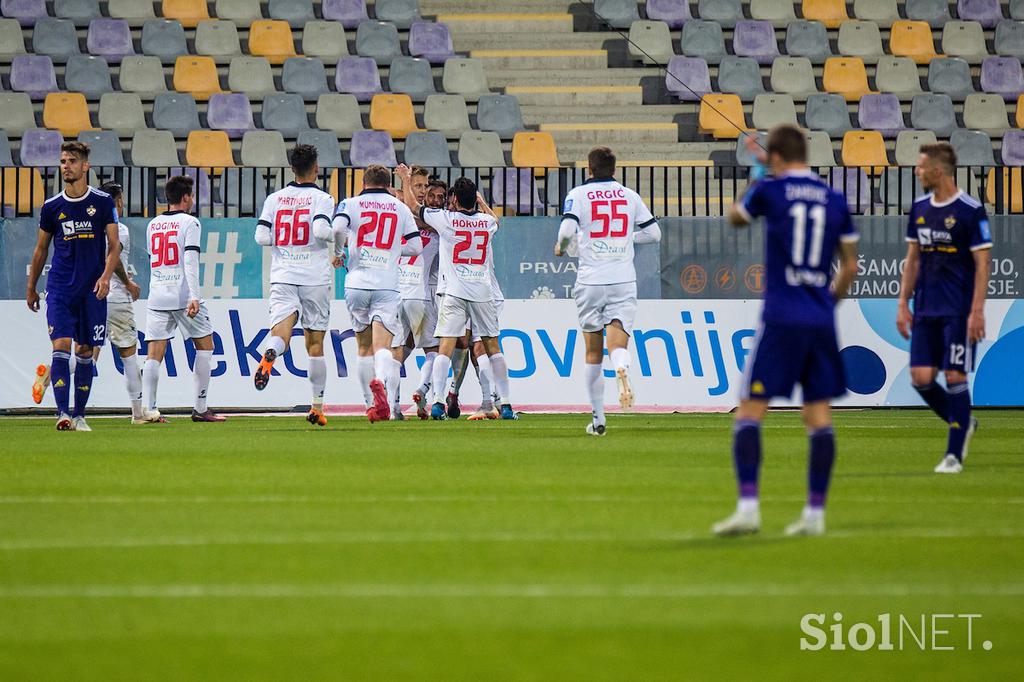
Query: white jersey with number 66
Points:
[297, 256]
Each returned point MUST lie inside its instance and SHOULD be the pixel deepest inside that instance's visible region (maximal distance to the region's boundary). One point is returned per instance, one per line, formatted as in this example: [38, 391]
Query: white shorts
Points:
[419, 318]
[599, 304]
[160, 324]
[365, 306]
[312, 303]
[121, 331]
[457, 315]
[498, 307]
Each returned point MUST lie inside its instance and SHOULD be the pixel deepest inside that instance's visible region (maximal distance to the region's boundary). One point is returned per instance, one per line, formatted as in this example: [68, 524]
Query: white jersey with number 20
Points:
[376, 223]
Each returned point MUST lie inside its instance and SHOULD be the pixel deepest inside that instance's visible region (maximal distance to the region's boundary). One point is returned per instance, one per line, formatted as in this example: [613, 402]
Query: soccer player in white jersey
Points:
[374, 224]
[296, 223]
[607, 219]
[175, 301]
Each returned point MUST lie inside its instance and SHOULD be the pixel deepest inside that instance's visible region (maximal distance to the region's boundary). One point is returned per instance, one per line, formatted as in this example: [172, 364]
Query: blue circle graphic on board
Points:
[865, 371]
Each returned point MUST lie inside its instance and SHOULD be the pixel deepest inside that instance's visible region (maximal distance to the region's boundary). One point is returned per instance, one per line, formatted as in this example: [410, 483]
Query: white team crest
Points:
[91, 211]
[950, 222]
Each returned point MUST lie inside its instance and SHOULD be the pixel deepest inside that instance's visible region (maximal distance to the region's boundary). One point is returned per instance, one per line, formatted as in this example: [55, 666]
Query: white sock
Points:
[364, 372]
[460, 356]
[748, 505]
[133, 382]
[813, 513]
[201, 377]
[276, 343]
[394, 382]
[427, 373]
[150, 378]
[499, 371]
[620, 358]
[382, 360]
[442, 364]
[595, 389]
[318, 380]
[483, 372]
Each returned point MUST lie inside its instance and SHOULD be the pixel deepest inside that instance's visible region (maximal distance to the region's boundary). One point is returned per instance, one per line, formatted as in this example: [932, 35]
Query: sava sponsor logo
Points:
[893, 632]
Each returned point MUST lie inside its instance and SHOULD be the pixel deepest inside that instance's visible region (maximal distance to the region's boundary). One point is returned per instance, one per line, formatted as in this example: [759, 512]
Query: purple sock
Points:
[937, 399]
[959, 418]
[60, 379]
[83, 384]
[819, 468]
[746, 455]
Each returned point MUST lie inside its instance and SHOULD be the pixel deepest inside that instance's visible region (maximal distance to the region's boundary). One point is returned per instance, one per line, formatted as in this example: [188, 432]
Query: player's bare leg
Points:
[317, 376]
[41, 383]
[746, 453]
[277, 344]
[201, 377]
[818, 420]
[442, 365]
[594, 344]
[618, 344]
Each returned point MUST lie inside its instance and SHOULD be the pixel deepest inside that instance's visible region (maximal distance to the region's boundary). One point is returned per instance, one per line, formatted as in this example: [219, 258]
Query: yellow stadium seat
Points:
[209, 149]
[393, 114]
[865, 149]
[534, 150]
[196, 76]
[829, 12]
[1013, 189]
[720, 115]
[188, 12]
[271, 39]
[66, 112]
[23, 189]
[846, 76]
[912, 39]
[1020, 111]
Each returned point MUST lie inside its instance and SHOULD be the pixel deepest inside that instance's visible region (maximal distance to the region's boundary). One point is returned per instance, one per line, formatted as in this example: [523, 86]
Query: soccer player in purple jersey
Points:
[806, 223]
[81, 222]
[949, 246]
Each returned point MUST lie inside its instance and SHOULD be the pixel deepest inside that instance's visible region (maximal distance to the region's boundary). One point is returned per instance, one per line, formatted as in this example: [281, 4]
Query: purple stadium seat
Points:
[358, 76]
[430, 40]
[25, 11]
[33, 74]
[755, 39]
[1002, 76]
[230, 112]
[881, 113]
[41, 147]
[516, 189]
[675, 13]
[372, 146]
[693, 71]
[110, 39]
[985, 12]
[348, 12]
[1013, 148]
[855, 184]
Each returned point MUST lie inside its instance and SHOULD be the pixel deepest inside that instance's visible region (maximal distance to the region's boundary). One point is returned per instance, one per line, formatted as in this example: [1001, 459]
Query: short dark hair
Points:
[377, 176]
[79, 149]
[789, 143]
[435, 181]
[464, 190]
[943, 154]
[177, 188]
[303, 158]
[112, 188]
[602, 162]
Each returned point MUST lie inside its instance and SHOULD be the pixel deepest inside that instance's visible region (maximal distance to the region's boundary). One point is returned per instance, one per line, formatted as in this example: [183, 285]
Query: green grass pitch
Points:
[265, 549]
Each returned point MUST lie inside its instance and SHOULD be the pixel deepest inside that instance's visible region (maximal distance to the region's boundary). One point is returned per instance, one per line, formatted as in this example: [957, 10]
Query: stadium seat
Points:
[1002, 76]
[67, 112]
[618, 13]
[882, 12]
[899, 187]
[33, 74]
[188, 12]
[358, 76]
[377, 40]
[935, 13]
[1009, 40]
[723, 12]
[1017, 10]
[779, 12]
[208, 149]
[499, 114]
[55, 38]
[832, 13]
[239, 12]
[428, 149]
[392, 113]
[1019, 115]
[104, 147]
[860, 39]
[964, 39]
[973, 148]
[446, 113]
[703, 39]
[251, 75]
[515, 190]
[865, 149]
[286, 113]
[142, 75]
[688, 78]
[755, 39]
[244, 190]
[350, 13]
[263, 149]
[121, 112]
[324, 40]
[153, 149]
[16, 112]
[327, 147]
[827, 112]
[793, 76]
[230, 112]
[41, 148]
[163, 38]
[217, 39]
[411, 76]
[176, 112]
[675, 13]
[846, 76]
[987, 113]
[1012, 151]
[80, 12]
[401, 13]
[196, 75]
[466, 77]
[136, 12]
[650, 42]
[338, 113]
[23, 189]
[295, 12]
[819, 149]
[534, 150]
[933, 112]
[431, 41]
[808, 39]
[743, 156]
[912, 39]
[950, 76]
[740, 76]
[881, 113]
[772, 109]
[110, 39]
[559, 181]
[12, 40]
[480, 149]
[304, 76]
[988, 13]
[87, 75]
[271, 39]
[25, 11]
[372, 147]
[1012, 182]
[898, 75]
[720, 115]
[6, 160]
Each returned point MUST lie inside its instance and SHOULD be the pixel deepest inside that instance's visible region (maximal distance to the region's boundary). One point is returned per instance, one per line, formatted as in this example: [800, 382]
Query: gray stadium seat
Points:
[338, 113]
[104, 147]
[285, 113]
[327, 146]
[882, 12]
[428, 149]
[1010, 39]
[81, 12]
[618, 13]
[899, 187]
[217, 39]
[933, 112]
[480, 149]
[325, 40]
[860, 39]
[499, 114]
[164, 38]
[154, 148]
[464, 76]
[897, 75]
[650, 42]
[987, 113]
[908, 145]
[377, 40]
[703, 39]
[244, 189]
[558, 183]
[723, 12]
[950, 76]
[304, 76]
[412, 77]
[743, 155]
[240, 12]
[295, 12]
[794, 76]
[808, 39]
[820, 153]
[55, 38]
[176, 112]
[6, 160]
[264, 149]
[973, 148]
[964, 39]
[16, 112]
[779, 12]
[121, 112]
[88, 75]
[772, 109]
[251, 75]
[401, 13]
[142, 75]
[12, 40]
[740, 76]
[446, 113]
[828, 112]
[1017, 10]
[135, 11]
[935, 12]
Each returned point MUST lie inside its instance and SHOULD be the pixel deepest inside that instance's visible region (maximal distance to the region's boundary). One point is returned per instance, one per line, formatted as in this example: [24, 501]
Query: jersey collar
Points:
[88, 191]
[175, 213]
[947, 202]
[304, 184]
[595, 180]
[375, 190]
[804, 173]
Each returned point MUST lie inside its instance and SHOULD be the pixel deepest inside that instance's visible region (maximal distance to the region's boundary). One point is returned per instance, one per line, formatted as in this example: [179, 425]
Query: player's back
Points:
[417, 275]
[168, 236]
[377, 222]
[297, 256]
[118, 290]
[78, 227]
[466, 255]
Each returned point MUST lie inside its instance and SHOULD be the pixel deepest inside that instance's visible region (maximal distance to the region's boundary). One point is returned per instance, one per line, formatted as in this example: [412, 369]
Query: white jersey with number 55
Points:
[607, 214]
[376, 223]
[467, 260]
[295, 215]
[168, 236]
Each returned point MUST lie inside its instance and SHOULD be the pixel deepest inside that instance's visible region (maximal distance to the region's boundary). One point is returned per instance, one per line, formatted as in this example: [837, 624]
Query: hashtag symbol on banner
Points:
[220, 265]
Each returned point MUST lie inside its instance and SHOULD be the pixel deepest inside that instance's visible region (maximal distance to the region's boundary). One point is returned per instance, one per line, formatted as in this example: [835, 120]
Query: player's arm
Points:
[102, 287]
[647, 229]
[568, 228]
[847, 268]
[36, 268]
[482, 206]
[911, 266]
[264, 226]
[407, 196]
[323, 227]
[191, 263]
[981, 249]
[340, 227]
